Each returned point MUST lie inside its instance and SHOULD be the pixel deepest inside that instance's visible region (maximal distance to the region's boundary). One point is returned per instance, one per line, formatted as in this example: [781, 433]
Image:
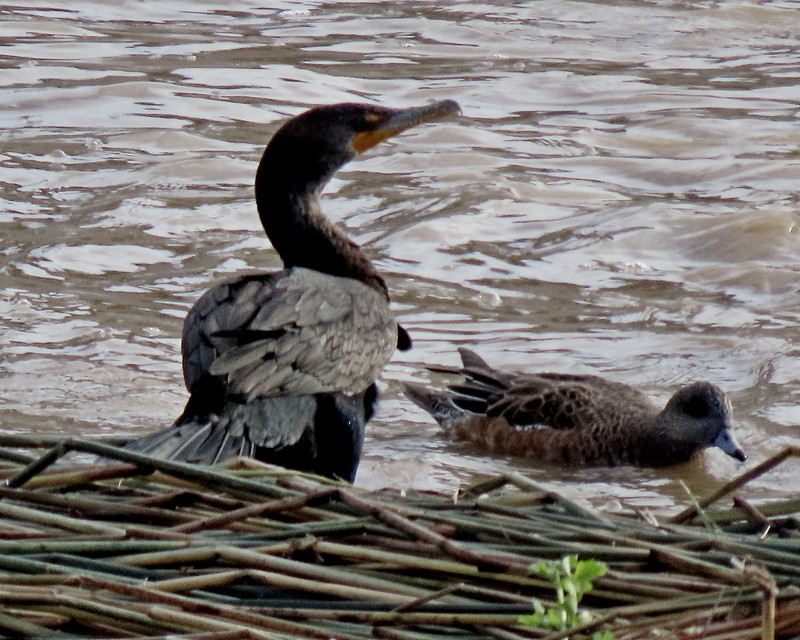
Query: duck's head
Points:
[699, 414]
[308, 149]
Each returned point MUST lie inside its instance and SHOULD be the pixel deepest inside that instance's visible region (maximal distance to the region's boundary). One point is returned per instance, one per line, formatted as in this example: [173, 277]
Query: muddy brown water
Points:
[620, 197]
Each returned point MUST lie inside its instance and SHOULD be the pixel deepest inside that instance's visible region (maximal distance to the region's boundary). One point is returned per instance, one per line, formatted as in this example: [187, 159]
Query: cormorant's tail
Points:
[264, 425]
[322, 433]
[200, 440]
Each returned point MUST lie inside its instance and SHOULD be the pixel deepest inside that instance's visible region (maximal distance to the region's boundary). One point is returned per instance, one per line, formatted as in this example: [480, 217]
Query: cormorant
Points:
[282, 366]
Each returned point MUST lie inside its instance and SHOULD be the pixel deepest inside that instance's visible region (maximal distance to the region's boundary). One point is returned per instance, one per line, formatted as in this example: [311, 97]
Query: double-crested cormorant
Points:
[580, 420]
[282, 366]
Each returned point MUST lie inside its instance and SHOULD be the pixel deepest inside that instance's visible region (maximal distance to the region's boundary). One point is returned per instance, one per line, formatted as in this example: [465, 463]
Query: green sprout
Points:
[572, 578]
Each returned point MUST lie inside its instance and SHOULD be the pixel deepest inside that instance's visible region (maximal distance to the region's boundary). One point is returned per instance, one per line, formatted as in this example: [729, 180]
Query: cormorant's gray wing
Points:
[292, 333]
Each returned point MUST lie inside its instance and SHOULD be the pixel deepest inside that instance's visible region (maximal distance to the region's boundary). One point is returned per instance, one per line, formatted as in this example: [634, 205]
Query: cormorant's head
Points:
[307, 150]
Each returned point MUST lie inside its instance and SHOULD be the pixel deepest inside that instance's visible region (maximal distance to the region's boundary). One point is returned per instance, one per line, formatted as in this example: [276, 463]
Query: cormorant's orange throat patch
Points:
[367, 139]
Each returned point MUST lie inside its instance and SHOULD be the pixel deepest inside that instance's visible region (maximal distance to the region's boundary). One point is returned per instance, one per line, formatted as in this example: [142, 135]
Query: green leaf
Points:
[531, 620]
[571, 579]
[556, 618]
[573, 594]
[589, 570]
[545, 569]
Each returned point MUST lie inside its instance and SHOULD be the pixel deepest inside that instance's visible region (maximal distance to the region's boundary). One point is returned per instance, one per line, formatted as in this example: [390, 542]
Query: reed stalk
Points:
[142, 548]
[22, 628]
[757, 471]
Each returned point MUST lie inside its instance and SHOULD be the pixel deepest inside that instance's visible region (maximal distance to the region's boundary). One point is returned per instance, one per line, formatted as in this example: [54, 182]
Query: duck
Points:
[563, 419]
[281, 366]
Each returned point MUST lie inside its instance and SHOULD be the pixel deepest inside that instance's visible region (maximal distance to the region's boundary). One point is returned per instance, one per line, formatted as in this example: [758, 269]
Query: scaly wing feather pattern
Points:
[269, 360]
[555, 400]
[292, 333]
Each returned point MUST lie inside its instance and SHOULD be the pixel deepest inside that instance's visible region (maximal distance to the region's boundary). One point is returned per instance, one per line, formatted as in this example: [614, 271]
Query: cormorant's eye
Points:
[373, 118]
[696, 407]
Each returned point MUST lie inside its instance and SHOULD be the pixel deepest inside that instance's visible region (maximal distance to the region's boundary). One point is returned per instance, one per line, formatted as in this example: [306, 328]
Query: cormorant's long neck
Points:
[290, 213]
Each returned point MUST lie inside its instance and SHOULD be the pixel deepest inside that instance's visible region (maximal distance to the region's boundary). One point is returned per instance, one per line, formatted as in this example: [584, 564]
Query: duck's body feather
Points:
[577, 420]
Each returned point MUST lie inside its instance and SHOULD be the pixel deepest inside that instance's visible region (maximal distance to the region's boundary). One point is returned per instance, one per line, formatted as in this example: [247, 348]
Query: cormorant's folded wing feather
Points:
[304, 332]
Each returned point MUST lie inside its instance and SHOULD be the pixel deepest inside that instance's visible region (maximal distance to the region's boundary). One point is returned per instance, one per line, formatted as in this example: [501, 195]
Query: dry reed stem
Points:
[770, 510]
[450, 548]
[284, 504]
[22, 628]
[759, 470]
[325, 560]
[248, 617]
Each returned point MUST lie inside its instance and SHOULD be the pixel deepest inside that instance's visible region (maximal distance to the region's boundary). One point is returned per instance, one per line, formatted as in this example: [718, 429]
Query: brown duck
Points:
[282, 366]
[579, 420]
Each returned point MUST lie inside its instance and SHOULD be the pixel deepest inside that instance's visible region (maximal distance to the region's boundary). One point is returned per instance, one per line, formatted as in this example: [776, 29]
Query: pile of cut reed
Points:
[132, 547]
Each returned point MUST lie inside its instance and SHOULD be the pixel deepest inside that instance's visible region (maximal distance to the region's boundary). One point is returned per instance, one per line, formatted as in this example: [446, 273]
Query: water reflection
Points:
[620, 197]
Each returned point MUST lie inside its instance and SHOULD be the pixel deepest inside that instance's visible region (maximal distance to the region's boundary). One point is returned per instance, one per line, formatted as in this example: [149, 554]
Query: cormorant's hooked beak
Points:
[728, 444]
[397, 121]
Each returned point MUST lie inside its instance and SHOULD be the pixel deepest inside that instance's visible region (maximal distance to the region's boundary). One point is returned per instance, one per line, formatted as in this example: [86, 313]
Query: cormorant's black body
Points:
[282, 366]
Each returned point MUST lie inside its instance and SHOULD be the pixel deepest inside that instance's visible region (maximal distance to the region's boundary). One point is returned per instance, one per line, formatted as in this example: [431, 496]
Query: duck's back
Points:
[550, 417]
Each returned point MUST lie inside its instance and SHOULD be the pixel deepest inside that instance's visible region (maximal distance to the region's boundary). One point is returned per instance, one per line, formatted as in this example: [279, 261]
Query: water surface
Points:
[619, 197]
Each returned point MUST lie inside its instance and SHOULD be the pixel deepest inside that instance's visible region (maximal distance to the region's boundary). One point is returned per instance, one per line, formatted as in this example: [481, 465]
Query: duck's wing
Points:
[537, 403]
[555, 400]
[295, 332]
[482, 384]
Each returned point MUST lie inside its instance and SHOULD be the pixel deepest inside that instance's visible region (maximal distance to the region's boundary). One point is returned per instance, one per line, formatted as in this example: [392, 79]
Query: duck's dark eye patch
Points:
[696, 407]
